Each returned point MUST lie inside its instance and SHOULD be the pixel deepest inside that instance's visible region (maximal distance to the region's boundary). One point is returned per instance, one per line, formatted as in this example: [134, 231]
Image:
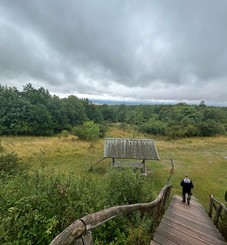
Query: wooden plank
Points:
[163, 240]
[154, 243]
[190, 219]
[199, 236]
[197, 228]
[176, 237]
[185, 224]
[199, 219]
[187, 211]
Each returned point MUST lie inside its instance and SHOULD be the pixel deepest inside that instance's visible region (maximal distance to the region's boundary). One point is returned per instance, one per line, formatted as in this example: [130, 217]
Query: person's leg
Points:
[189, 198]
[183, 196]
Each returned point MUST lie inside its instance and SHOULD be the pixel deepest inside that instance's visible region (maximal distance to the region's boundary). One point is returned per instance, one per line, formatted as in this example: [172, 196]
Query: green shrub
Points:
[223, 225]
[103, 128]
[36, 206]
[64, 133]
[1, 147]
[88, 131]
[131, 229]
[8, 162]
[112, 232]
[124, 126]
[141, 230]
[153, 127]
[127, 187]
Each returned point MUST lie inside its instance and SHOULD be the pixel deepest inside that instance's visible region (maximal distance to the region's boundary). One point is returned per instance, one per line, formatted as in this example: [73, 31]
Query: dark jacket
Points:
[187, 185]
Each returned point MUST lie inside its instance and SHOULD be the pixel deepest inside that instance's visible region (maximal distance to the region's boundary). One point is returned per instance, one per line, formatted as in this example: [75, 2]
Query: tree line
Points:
[36, 112]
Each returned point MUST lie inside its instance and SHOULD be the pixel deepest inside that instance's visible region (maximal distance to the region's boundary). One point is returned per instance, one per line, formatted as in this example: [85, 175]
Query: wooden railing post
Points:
[217, 215]
[218, 207]
[156, 214]
[167, 194]
[211, 205]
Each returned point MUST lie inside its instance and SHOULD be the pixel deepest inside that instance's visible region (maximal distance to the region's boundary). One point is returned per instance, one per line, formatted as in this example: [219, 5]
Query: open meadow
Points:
[204, 159]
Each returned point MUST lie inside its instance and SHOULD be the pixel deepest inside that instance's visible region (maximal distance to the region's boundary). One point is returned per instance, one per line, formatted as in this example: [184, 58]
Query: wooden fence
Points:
[218, 207]
[79, 232]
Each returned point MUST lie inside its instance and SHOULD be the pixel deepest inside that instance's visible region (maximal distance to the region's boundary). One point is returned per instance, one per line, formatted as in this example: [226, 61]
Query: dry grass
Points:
[204, 159]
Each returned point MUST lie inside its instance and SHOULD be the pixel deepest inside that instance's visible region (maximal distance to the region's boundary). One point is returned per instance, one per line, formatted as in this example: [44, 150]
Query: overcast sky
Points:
[117, 49]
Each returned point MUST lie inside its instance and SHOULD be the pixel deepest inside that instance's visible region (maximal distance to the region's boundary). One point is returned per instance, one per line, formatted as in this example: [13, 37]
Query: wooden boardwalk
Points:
[185, 224]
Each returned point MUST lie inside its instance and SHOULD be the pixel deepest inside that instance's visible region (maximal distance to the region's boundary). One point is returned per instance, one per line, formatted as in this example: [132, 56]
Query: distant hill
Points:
[128, 102]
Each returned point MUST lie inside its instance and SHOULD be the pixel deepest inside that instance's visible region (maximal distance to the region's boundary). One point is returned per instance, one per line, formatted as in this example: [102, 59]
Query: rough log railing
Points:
[218, 207]
[79, 232]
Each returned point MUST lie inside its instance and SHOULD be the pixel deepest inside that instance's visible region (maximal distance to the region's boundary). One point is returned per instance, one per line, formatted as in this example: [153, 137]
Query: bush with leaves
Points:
[134, 188]
[103, 128]
[153, 127]
[126, 187]
[88, 131]
[64, 133]
[8, 162]
[36, 206]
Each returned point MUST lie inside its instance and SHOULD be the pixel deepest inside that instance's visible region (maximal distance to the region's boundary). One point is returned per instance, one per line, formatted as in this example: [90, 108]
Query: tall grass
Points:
[204, 159]
[64, 164]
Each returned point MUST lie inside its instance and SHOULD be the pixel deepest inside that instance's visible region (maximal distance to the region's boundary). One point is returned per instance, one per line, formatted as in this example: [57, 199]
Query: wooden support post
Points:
[156, 214]
[217, 215]
[211, 205]
[166, 196]
[144, 167]
[113, 161]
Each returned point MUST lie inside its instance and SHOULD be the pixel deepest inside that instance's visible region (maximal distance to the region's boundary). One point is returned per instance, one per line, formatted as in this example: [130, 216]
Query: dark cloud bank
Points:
[141, 50]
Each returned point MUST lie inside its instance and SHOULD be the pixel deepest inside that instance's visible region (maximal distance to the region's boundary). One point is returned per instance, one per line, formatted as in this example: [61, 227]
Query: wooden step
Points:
[185, 224]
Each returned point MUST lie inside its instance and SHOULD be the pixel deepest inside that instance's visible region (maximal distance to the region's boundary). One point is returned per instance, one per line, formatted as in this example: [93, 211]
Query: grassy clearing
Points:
[204, 159]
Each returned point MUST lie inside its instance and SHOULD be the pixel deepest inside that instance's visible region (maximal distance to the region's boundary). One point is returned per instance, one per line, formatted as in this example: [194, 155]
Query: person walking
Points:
[187, 185]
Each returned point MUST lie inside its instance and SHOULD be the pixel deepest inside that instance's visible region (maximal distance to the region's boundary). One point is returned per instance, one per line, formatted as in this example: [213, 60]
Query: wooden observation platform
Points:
[185, 224]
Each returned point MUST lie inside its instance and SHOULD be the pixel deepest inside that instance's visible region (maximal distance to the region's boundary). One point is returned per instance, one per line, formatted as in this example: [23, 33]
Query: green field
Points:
[204, 159]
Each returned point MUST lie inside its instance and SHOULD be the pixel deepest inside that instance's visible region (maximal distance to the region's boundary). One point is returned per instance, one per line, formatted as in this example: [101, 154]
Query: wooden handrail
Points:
[218, 207]
[82, 227]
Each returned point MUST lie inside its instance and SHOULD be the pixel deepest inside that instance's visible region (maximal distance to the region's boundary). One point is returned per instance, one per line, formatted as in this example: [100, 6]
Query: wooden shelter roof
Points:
[130, 149]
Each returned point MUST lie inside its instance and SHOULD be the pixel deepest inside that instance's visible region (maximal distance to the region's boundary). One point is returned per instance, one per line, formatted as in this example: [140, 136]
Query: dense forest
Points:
[36, 112]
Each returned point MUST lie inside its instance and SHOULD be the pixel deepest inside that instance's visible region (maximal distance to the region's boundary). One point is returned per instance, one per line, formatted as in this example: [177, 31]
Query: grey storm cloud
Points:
[145, 50]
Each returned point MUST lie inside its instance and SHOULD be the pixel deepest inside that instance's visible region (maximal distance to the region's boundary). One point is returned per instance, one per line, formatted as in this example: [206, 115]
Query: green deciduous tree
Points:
[153, 127]
[211, 128]
[92, 111]
[40, 120]
[58, 114]
[14, 111]
[134, 117]
[74, 110]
